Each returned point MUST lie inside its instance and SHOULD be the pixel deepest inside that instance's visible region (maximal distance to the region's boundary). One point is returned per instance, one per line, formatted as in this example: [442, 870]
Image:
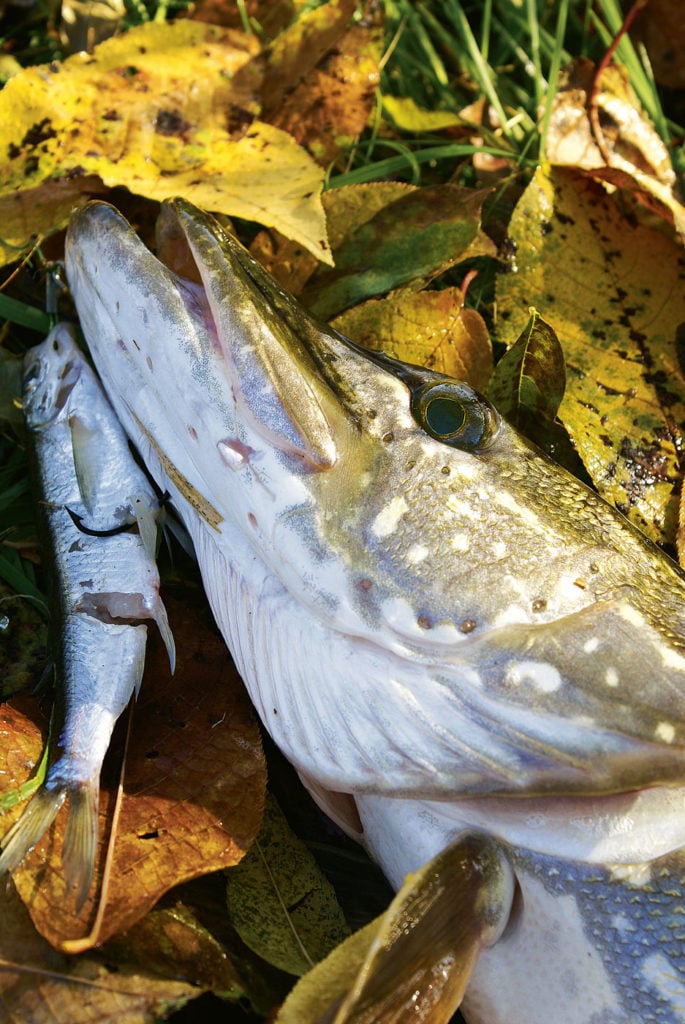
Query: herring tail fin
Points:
[27, 830]
[80, 839]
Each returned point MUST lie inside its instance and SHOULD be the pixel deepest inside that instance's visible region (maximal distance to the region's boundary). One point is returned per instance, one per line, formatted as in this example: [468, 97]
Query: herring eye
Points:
[456, 415]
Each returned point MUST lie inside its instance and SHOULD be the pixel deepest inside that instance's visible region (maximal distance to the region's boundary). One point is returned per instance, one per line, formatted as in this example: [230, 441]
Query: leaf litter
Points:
[608, 284]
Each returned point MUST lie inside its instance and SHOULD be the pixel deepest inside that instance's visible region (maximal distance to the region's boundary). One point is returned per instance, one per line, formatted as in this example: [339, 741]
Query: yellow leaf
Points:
[432, 329]
[613, 292]
[162, 110]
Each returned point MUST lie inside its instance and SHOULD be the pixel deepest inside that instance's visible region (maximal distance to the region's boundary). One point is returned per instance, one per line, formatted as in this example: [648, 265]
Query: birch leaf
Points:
[194, 790]
[163, 110]
[430, 328]
[280, 903]
[615, 291]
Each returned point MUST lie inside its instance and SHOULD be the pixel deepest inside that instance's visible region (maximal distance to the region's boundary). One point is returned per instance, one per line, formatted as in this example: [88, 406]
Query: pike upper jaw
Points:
[239, 341]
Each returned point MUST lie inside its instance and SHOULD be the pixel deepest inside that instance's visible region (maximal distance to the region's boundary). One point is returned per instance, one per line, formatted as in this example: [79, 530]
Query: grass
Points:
[444, 55]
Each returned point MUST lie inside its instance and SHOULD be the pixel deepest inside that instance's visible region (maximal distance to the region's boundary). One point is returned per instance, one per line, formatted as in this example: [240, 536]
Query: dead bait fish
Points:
[106, 587]
[430, 615]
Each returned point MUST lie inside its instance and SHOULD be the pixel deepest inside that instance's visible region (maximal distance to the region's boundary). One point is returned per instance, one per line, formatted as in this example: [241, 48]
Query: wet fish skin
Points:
[105, 589]
[429, 615]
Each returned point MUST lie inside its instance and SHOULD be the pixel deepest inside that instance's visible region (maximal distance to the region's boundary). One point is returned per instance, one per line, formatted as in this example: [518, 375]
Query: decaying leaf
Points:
[172, 942]
[280, 903]
[321, 78]
[42, 986]
[413, 963]
[430, 328]
[629, 152]
[163, 110]
[614, 291]
[193, 790]
[419, 235]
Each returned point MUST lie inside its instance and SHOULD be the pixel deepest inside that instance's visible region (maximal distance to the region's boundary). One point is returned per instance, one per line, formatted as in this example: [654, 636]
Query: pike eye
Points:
[456, 415]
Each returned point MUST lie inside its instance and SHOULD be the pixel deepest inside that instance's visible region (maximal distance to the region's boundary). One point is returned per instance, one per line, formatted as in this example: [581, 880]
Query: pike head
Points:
[421, 603]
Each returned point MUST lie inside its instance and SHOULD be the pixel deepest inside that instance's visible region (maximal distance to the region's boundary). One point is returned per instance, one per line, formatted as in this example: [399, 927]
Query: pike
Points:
[99, 512]
[451, 638]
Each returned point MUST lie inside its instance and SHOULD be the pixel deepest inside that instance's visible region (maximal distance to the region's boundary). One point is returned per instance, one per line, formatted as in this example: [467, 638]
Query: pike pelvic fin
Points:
[80, 839]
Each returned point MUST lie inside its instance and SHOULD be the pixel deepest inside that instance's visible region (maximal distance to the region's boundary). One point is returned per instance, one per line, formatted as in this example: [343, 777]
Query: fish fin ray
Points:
[80, 839]
[30, 827]
[84, 443]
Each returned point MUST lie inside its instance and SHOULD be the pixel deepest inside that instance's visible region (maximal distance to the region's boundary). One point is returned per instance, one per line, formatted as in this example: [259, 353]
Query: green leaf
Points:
[280, 903]
[530, 378]
[417, 236]
[23, 314]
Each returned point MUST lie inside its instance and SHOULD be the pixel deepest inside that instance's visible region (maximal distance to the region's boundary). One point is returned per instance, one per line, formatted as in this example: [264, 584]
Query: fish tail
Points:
[36, 819]
[80, 839]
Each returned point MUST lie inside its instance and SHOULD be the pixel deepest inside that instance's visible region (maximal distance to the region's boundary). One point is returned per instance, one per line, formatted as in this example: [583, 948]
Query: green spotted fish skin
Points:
[98, 510]
[430, 616]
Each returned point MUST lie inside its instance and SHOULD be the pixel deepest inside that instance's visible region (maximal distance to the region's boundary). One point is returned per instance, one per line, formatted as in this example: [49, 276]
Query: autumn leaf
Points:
[42, 986]
[429, 328]
[621, 147]
[321, 78]
[419, 235]
[347, 209]
[178, 124]
[413, 962]
[279, 901]
[614, 292]
[193, 789]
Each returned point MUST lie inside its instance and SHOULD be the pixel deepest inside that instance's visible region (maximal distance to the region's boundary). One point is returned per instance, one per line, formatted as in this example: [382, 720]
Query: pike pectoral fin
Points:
[414, 962]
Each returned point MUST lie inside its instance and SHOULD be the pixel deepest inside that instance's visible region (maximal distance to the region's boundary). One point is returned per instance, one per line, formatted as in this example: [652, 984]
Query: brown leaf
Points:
[331, 104]
[629, 153]
[193, 789]
[40, 986]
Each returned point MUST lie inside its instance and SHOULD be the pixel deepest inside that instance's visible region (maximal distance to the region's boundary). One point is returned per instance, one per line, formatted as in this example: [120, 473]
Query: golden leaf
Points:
[164, 110]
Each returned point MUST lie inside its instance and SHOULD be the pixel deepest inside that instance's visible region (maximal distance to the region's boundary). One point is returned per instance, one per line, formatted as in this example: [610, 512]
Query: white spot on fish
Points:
[541, 674]
[499, 549]
[631, 615]
[672, 659]
[417, 553]
[591, 645]
[388, 518]
[461, 542]
[611, 676]
[511, 616]
[461, 508]
[663, 974]
[665, 731]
